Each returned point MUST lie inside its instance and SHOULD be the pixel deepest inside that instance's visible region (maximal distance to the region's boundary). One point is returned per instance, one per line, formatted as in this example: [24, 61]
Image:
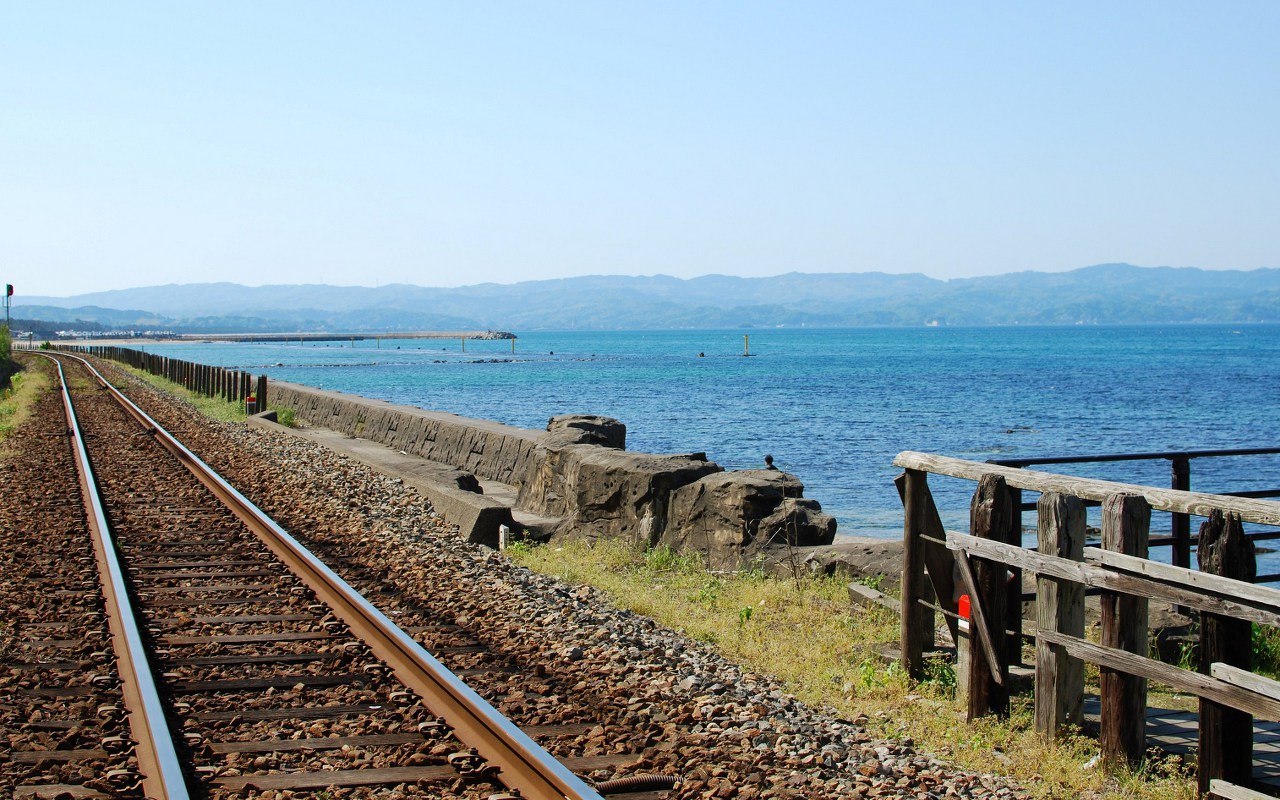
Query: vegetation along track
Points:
[609, 693]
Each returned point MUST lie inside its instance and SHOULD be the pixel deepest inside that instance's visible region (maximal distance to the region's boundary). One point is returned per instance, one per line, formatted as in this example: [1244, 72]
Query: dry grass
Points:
[806, 634]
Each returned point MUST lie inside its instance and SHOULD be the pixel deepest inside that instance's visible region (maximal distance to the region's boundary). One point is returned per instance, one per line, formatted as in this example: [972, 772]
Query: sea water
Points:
[834, 406]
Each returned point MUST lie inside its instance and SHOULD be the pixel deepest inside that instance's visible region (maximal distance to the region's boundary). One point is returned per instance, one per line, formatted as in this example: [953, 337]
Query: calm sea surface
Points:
[835, 406]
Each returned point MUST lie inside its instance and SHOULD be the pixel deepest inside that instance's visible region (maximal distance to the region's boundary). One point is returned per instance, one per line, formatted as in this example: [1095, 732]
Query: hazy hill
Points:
[1108, 293]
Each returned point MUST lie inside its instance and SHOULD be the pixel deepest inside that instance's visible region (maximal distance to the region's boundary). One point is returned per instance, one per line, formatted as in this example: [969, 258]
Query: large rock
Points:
[586, 429]
[877, 561]
[603, 492]
[732, 517]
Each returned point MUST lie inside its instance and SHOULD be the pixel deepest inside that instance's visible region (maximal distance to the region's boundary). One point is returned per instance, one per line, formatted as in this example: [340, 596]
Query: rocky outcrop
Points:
[859, 559]
[733, 517]
[586, 429]
[601, 492]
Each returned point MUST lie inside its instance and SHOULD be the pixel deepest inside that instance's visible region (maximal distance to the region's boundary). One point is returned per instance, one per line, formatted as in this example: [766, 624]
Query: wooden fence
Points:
[987, 564]
[1180, 474]
[230, 385]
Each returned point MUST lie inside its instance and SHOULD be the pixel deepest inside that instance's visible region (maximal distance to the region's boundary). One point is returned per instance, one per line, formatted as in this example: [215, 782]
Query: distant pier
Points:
[343, 337]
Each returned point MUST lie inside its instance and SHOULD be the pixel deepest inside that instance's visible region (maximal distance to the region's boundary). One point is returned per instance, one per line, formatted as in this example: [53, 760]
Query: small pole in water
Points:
[513, 345]
[746, 341]
[464, 344]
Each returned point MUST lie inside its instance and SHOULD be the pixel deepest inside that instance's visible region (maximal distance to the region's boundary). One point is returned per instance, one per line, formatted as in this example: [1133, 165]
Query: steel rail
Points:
[158, 762]
[521, 762]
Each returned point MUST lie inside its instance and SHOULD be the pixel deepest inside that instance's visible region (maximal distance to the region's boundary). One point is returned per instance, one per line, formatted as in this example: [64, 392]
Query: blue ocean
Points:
[835, 406]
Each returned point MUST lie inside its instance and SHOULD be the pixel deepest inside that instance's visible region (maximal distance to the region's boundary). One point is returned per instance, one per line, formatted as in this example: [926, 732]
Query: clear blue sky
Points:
[451, 144]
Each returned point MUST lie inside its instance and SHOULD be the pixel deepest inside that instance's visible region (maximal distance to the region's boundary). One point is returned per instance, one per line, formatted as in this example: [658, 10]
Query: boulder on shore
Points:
[733, 517]
[586, 429]
[602, 491]
[855, 558]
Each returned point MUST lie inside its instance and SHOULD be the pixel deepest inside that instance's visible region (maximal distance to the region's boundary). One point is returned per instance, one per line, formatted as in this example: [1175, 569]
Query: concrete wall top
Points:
[489, 449]
[533, 436]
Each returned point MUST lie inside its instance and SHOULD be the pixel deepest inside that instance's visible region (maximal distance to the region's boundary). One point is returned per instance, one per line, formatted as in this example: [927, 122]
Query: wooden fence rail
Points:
[230, 385]
[1180, 473]
[1231, 695]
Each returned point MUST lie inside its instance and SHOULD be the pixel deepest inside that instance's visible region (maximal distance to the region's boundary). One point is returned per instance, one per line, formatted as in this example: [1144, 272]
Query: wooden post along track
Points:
[521, 764]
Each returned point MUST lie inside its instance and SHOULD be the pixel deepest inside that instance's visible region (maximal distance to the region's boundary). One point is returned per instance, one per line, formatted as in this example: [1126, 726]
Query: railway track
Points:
[271, 674]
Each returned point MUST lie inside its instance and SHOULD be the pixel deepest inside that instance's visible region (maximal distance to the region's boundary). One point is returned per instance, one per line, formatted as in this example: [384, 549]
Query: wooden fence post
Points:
[1013, 591]
[915, 492]
[990, 514]
[939, 564]
[1060, 608]
[1180, 524]
[1126, 523]
[1226, 734]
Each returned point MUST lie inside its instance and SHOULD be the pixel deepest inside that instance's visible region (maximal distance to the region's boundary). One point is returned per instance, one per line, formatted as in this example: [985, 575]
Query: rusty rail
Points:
[158, 761]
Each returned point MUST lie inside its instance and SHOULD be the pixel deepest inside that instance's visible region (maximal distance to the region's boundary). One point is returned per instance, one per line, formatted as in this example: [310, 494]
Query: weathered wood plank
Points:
[1013, 587]
[301, 781]
[51, 790]
[1181, 679]
[990, 516]
[1230, 791]
[977, 617]
[62, 756]
[333, 743]
[1263, 596]
[1126, 520]
[1059, 607]
[1246, 680]
[1266, 512]
[1105, 578]
[1226, 734]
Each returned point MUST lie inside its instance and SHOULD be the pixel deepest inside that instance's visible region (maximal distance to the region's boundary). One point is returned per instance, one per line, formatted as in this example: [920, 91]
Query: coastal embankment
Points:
[577, 479]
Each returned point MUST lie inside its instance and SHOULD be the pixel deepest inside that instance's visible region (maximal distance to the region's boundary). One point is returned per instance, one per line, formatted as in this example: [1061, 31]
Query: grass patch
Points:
[19, 397]
[285, 416]
[807, 634]
[214, 407]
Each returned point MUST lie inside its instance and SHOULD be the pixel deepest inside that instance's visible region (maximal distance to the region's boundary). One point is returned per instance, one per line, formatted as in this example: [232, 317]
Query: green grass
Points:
[17, 400]
[284, 416]
[807, 634]
[214, 407]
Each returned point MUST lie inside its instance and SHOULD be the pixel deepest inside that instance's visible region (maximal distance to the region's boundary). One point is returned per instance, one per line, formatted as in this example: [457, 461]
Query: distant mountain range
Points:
[1102, 294]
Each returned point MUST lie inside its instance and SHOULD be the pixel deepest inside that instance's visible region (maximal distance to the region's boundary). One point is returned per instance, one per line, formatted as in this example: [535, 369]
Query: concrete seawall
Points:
[490, 450]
